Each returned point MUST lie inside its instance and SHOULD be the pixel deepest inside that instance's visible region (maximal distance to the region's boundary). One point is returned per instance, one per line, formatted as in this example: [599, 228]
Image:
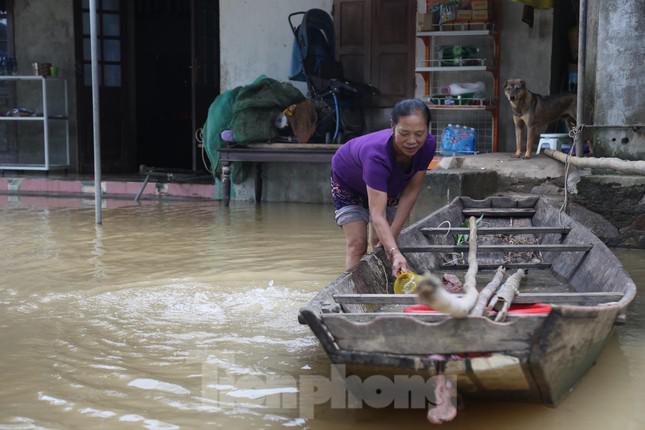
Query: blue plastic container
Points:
[457, 139]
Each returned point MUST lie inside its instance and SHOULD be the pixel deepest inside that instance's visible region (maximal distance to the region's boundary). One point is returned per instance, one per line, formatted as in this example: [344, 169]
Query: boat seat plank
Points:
[496, 230]
[398, 333]
[499, 212]
[499, 247]
[364, 317]
[523, 298]
[488, 266]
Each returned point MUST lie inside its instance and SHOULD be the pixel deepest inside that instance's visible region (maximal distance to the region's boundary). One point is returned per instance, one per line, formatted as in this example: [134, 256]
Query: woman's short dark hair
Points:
[410, 107]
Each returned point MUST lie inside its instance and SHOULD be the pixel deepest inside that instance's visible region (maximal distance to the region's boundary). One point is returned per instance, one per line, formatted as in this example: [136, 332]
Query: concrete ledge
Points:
[309, 183]
[475, 176]
[516, 174]
[538, 168]
[451, 183]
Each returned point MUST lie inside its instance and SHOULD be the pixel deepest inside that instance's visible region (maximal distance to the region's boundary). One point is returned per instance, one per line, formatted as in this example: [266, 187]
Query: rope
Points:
[573, 133]
[337, 109]
[385, 276]
[449, 227]
[455, 260]
[199, 137]
[457, 257]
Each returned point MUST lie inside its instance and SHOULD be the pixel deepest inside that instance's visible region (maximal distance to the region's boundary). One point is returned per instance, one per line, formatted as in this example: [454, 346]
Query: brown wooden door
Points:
[353, 26]
[393, 38]
[375, 44]
[117, 144]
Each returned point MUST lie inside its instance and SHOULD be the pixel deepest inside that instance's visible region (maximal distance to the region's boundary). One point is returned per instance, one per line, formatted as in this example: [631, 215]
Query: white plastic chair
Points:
[552, 141]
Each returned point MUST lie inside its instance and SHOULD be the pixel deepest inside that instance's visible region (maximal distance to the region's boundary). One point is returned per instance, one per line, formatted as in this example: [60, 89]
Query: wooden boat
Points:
[536, 357]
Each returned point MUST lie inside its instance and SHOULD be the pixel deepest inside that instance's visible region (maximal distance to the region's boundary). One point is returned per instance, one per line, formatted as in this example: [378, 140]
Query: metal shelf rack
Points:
[482, 114]
[54, 113]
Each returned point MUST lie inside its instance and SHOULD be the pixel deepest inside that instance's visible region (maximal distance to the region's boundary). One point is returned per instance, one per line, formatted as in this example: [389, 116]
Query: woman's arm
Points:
[406, 202]
[377, 204]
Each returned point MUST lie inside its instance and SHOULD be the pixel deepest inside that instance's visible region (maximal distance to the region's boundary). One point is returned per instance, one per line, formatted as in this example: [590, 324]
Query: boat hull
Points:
[537, 357]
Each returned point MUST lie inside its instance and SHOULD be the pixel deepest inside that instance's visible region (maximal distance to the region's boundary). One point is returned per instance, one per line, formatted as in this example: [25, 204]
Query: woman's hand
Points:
[399, 263]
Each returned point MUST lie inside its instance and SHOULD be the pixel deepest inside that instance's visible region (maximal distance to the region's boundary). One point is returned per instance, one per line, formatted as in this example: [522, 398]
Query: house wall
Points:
[526, 54]
[252, 44]
[44, 32]
[255, 38]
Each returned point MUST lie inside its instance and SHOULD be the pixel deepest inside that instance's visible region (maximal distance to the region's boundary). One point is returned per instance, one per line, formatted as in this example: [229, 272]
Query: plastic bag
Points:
[458, 88]
[448, 13]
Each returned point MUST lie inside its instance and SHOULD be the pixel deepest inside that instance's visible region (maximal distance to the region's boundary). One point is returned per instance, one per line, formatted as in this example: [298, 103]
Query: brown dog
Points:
[536, 112]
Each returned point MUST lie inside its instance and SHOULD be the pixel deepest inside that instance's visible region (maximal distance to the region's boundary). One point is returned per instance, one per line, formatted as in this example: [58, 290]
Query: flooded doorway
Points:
[159, 72]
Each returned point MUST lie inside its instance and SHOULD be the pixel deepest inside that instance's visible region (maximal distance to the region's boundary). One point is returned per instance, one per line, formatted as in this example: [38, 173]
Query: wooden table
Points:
[270, 152]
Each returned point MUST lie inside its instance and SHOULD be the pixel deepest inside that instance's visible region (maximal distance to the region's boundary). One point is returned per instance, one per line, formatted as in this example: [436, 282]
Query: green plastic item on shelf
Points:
[458, 55]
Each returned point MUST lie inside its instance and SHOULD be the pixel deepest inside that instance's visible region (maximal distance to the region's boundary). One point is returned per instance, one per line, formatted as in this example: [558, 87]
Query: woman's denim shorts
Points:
[352, 207]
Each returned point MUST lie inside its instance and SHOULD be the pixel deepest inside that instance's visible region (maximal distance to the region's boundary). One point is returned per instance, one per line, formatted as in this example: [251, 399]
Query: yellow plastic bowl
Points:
[405, 283]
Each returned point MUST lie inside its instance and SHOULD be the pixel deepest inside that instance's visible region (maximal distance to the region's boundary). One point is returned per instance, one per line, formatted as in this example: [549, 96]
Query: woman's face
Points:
[410, 133]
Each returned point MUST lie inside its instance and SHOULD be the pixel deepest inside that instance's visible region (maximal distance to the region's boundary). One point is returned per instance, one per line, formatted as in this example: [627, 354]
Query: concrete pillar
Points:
[619, 88]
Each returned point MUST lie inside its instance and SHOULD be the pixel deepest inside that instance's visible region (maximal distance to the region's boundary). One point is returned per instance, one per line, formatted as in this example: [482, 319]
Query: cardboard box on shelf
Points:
[464, 15]
[425, 21]
[444, 11]
[480, 15]
[479, 4]
[420, 17]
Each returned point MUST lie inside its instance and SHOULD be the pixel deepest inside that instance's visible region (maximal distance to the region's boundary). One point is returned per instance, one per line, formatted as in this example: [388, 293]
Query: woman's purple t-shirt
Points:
[369, 160]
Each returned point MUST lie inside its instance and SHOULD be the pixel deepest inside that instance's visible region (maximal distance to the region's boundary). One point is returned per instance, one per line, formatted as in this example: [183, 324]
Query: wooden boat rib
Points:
[361, 323]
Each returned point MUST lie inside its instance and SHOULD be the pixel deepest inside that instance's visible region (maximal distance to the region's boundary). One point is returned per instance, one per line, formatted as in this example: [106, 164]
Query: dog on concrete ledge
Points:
[536, 112]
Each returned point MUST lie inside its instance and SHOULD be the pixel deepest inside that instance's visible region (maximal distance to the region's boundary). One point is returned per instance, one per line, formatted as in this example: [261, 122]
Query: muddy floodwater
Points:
[141, 323]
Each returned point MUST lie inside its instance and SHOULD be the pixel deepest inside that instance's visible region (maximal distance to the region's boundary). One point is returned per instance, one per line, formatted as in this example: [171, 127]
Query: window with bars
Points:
[7, 60]
[108, 21]
[4, 27]
[8, 150]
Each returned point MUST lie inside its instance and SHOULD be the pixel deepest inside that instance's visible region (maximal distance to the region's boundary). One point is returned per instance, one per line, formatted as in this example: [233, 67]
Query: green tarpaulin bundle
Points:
[249, 112]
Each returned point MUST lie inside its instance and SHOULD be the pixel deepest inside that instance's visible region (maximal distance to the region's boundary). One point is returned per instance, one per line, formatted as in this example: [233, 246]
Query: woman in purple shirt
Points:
[378, 177]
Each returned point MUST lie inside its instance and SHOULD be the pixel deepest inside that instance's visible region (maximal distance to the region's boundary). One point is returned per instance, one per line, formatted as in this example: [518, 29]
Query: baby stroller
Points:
[339, 102]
